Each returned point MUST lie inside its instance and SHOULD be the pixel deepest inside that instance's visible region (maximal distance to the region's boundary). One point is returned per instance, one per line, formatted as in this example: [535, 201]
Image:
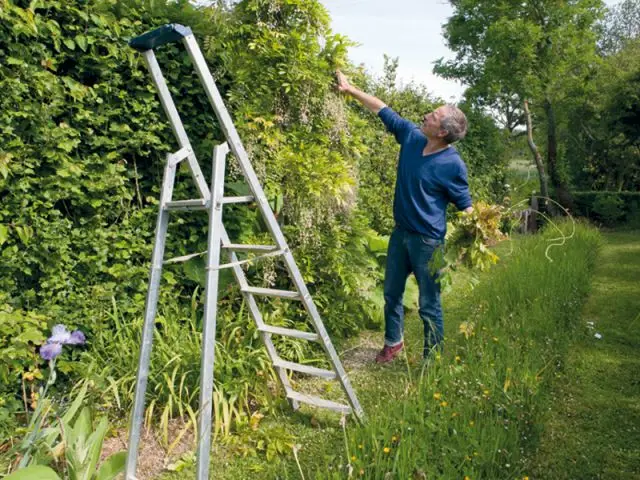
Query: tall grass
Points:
[474, 411]
[243, 372]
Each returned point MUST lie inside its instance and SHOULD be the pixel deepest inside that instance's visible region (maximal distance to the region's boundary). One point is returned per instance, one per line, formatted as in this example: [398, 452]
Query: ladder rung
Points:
[318, 402]
[198, 204]
[270, 292]
[245, 199]
[180, 155]
[287, 332]
[236, 247]
[297, 367]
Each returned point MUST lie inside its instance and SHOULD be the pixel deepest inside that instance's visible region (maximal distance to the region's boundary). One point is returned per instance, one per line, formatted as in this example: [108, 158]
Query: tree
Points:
[620, 25]
[533, 51]
[602, 136]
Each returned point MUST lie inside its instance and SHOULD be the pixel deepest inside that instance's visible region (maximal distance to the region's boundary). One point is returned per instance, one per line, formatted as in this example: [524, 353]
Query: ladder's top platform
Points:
[155, 38]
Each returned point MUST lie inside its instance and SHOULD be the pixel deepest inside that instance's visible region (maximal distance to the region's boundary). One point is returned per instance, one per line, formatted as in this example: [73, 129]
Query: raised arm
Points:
[370, 102]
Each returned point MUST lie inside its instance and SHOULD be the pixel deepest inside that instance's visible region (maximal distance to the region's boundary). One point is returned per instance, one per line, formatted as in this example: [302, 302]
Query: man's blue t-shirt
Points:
[425, 183]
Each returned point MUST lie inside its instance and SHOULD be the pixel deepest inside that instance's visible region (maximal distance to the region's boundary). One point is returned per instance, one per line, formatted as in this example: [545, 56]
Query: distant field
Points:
[522, 178]
[523, 167]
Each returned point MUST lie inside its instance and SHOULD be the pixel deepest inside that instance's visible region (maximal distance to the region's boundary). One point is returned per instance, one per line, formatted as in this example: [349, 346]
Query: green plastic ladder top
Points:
[160, 36]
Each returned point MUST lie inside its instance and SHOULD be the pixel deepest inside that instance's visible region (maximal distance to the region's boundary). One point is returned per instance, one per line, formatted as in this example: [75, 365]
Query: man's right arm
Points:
[370, 102]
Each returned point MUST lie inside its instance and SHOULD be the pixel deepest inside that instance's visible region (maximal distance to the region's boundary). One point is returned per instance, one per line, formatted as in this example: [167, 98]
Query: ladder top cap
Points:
[169, 33]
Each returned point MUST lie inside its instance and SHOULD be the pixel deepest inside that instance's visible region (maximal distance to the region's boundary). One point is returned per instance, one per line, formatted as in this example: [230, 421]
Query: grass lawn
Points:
[593, 429]
[476, 412]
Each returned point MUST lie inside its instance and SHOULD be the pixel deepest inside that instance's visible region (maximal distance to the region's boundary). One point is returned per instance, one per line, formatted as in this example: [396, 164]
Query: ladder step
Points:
[236, 247]
[245, 199]
[297, 367]
[270, 292]
[287, 332]
[318, 402]
[199, 204]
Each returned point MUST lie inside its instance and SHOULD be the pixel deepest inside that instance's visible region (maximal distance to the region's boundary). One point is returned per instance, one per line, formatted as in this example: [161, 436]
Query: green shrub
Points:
[22, 334]
[608, 208]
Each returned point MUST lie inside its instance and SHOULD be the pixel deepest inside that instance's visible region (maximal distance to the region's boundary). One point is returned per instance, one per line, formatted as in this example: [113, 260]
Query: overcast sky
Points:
[408, 29]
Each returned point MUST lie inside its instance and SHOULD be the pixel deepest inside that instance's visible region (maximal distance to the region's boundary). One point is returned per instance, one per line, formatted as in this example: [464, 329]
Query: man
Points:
[430, 175]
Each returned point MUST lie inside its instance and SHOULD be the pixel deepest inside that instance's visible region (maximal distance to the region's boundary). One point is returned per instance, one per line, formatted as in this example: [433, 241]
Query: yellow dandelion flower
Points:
[394, 439]
[360, 446]
[525, 478]
[436, 396]
[387, 449]
[466, 477]
[454, 414]
[486, 392]
[443, 404]
[472, 423]
[457, 358]
[353, 458]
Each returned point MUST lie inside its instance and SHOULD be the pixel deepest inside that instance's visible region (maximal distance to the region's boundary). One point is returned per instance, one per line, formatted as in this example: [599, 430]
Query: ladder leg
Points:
[210, 312]
[148, 327]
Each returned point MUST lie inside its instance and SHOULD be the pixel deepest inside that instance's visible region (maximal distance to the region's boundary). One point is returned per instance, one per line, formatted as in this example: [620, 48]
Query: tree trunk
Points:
[544, 191]
[561, 189]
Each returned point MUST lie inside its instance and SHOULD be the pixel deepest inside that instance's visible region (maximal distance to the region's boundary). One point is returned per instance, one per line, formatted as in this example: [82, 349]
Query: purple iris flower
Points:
[49, 351]
[60, 336]
[76, 338]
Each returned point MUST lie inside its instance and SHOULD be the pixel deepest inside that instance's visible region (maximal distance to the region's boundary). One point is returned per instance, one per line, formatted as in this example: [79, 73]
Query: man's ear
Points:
[443, 133]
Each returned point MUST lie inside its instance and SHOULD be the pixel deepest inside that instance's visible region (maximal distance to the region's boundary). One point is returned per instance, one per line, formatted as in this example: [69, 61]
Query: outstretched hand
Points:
[343, 83]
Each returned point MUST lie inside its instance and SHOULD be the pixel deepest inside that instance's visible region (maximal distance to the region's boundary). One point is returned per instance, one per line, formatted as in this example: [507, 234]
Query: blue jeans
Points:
[410, 253]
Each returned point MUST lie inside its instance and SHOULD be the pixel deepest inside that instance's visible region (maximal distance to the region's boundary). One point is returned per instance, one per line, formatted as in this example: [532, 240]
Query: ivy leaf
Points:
[81, 41]
[32, 335]
[4, 234]
[25, 233]
[4, 164]
[69, 43]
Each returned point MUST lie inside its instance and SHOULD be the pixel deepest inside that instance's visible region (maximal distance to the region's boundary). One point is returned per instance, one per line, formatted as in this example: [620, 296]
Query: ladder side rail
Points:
[149, 323]
[238, 149]
[176, 124]
[257, 317]
[210, 313]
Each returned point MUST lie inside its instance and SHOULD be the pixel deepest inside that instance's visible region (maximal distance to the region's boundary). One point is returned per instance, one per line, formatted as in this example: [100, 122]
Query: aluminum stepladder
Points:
[213, 200]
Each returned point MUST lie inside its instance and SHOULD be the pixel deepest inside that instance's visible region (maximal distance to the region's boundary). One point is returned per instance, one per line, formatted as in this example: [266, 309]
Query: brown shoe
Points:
[389, 353]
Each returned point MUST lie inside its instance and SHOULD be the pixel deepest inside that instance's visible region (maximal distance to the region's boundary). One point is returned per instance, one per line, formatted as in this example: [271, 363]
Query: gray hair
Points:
[455, 123]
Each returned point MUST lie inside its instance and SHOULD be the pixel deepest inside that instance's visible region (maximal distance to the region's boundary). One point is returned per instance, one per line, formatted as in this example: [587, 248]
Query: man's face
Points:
[431, 123]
